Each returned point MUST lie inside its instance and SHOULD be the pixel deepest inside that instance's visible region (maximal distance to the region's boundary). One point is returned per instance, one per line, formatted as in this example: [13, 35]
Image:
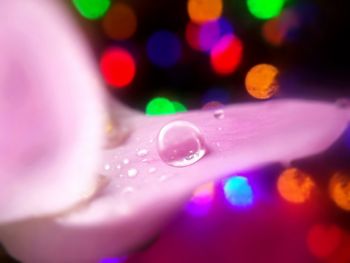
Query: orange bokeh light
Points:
[261, 81]
[339, 188]
[295, 185]
[201, 11]
[120, 22]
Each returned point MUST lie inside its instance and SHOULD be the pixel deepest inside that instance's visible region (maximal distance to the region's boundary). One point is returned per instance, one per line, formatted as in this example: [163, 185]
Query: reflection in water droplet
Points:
[152, 170]
[142, 152]
[127, 191]
[132, 172]
[125, 161]
[119, 166]
[180, 144]
[219, 114]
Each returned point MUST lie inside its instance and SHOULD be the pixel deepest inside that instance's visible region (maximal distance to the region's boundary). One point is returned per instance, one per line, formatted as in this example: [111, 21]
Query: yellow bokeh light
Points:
[339, 188]
[295, 185]
[201, 11]
[261, 81]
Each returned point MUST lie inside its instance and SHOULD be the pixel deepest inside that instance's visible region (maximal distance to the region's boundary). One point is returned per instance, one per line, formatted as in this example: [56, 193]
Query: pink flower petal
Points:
[129, 210]
[51, 111]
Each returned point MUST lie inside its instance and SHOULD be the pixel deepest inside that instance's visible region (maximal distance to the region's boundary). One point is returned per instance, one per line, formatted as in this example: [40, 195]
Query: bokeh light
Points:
[323, 240]
[218, 94]
[201, 11]
[92, 9]
[164, 49]
[202, 199]
[226, 55]
[192, 35]
[238, 191]
[160, 106]
[213, 105]
[339, 188]
[120, 22]
[211, 32]
[179, 107]
[276, 31]
[265, 9]
[261, 81]
[295, 186]
[118, 67]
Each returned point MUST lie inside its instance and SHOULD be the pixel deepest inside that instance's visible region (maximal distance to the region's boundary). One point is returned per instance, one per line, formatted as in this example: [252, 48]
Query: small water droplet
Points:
[119, 167]
[142, 152]
[125, 161]
[151, 140]
[180, 143]
[218, 144]
[220, 129]
[163, 178]
[132, 172]
[219, 114]
[144, 160]
[127, 191]
[152, 170]
[107, 167]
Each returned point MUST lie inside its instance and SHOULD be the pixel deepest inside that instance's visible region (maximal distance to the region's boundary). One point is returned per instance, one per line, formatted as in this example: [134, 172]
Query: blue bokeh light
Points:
[164, 49]
[211, 32]
[238, 191]
[219, 94]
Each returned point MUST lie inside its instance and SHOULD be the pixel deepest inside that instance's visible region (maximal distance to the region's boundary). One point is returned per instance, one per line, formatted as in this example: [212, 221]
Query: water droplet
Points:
[219, 114]
[142, 152]
[144, 160]
[107, 167]
[119, 166]
[220, 129]
[132, 172]
[127, 191]
[152, 170]
[180, 144]
[125, 161]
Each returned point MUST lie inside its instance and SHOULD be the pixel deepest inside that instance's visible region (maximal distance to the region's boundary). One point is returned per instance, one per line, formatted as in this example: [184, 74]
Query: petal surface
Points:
[129, 210]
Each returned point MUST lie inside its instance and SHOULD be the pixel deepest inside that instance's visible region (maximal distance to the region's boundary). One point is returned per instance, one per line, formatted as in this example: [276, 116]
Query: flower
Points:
[51, 145]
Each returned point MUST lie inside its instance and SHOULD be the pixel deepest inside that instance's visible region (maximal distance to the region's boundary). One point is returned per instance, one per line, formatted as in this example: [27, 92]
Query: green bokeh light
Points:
[179, 107]
[265, 9]
[160, 106]
[92, 9]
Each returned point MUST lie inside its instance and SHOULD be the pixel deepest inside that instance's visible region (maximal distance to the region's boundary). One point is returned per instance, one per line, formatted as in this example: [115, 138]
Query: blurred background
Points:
[163, 57]
[181, 50]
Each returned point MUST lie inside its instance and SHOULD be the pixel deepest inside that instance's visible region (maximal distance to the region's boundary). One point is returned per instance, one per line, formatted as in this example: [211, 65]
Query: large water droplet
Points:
[180, 144]
[132, 172]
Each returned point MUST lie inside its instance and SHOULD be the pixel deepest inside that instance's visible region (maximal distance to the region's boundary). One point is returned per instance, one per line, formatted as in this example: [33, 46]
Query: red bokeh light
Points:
[226, 55]
[118, 67]
[324, 240]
